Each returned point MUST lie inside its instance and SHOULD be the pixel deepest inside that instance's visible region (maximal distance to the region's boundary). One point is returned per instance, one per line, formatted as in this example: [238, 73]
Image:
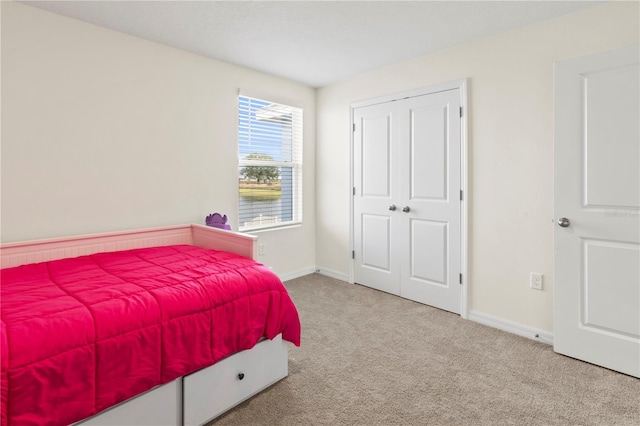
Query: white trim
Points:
[319, 270]
[511, 327]
[456, 84]
[271, 96]
[252, 231]
[464, 204]
[296, 274]
[351, 189]
[352, 123]
[333, 274]
[464, 178]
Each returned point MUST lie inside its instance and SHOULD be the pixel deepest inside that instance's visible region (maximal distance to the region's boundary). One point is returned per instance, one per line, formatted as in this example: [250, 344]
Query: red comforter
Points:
[80, 335]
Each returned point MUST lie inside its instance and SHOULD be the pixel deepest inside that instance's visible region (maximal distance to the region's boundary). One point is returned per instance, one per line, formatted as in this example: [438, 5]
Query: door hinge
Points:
[460, 111]
[460, 279]
[353, 254]
[354, 127]
[461, 195]
[354, 190]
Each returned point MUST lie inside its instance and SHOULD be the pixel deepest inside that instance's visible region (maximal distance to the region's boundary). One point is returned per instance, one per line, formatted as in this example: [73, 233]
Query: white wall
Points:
[510, 117]
[102, 131]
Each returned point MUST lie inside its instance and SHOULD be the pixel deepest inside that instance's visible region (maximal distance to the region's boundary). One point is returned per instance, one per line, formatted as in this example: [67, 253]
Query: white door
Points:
[597, 210]
[376, 169]
[407, 207]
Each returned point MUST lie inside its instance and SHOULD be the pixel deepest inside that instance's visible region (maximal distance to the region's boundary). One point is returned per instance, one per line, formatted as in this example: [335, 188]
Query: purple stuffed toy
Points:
[217, 221]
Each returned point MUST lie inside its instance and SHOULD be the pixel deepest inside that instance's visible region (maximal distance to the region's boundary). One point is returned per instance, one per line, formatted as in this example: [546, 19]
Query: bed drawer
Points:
[157, 407]
[213, 390]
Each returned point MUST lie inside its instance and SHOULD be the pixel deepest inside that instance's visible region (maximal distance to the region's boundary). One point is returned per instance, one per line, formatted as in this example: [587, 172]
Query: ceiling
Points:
[313, 42]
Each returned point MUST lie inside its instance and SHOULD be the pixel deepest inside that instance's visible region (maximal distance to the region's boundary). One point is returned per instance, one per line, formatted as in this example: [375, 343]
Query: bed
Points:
[163, 326]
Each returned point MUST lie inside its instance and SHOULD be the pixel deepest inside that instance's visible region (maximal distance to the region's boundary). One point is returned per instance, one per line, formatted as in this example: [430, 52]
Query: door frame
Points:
[461, 85]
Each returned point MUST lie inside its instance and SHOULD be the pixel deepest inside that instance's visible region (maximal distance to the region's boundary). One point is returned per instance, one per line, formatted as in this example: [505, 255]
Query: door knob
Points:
[564, 222]
[392, 207]
[406, 209]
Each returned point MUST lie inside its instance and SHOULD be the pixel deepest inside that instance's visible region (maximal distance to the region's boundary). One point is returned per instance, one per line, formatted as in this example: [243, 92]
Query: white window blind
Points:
[270, 164]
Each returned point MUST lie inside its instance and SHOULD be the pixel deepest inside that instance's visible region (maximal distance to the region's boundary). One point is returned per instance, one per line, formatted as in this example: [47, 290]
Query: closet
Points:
[407, 192]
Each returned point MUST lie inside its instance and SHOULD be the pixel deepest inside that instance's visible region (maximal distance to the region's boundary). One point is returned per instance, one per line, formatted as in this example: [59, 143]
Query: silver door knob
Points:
[392, 207]
[564, 222]
[406, 209]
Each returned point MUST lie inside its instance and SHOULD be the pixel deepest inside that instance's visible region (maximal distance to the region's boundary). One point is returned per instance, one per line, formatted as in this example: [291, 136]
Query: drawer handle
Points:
[240, 376]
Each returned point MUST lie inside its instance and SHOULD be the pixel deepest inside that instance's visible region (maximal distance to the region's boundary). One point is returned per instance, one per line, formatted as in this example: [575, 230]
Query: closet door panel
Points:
[428, 156]
[428, 255]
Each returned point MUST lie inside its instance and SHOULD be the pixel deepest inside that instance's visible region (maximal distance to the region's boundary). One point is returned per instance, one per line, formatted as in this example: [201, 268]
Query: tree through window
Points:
[270, 164]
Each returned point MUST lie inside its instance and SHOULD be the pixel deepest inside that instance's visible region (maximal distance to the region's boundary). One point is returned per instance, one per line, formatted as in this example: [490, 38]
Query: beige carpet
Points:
[370, 358]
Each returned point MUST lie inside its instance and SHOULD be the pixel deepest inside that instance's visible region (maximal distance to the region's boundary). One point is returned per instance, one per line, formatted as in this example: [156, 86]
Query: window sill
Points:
[260, 229]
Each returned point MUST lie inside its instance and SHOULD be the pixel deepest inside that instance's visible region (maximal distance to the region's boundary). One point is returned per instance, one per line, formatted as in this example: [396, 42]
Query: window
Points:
[270, 164]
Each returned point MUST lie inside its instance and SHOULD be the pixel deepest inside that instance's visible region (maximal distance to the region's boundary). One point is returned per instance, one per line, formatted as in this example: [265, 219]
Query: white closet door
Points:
[430, 230]
[407, 198]
[377, 174]
[597, 210]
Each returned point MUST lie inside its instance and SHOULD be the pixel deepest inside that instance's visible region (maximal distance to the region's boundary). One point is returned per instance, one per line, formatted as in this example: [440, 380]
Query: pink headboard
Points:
[24, 252]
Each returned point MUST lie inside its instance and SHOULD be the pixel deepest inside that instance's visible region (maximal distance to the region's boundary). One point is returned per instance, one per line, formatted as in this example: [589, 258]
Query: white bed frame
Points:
[199, 397]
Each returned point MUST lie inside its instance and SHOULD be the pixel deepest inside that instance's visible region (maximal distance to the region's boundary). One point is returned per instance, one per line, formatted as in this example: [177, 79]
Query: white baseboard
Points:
[511, 327]
[333, 274]
[479, 317]
[296, 274]
[306, 271]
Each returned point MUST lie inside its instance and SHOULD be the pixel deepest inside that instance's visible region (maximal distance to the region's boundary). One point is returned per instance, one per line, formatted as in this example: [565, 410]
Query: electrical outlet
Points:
[535, 281]
[261, 250]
